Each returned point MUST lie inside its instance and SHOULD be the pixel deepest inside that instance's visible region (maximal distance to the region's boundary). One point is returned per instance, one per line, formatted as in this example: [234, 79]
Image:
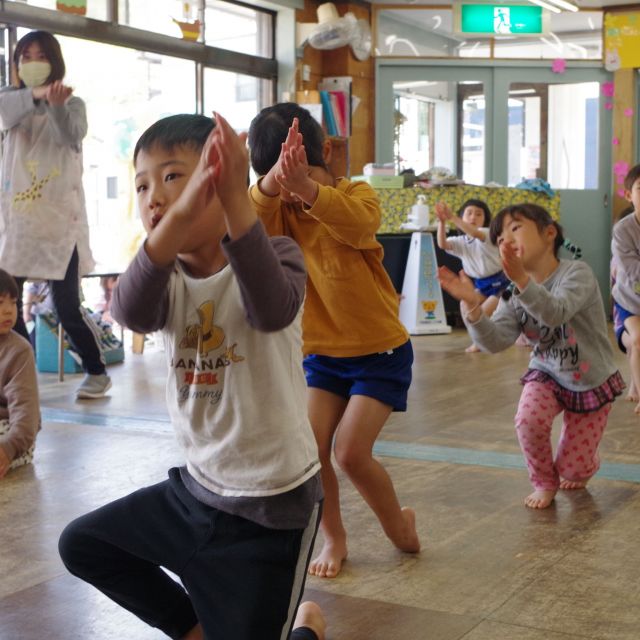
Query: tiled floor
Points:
[490, 569]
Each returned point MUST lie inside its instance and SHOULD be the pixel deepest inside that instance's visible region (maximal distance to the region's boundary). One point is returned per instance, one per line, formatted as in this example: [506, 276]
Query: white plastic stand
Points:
[422, 307]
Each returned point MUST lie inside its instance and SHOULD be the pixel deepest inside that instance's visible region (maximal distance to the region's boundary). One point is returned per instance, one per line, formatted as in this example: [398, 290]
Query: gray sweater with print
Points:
[625, 248]
[564, 319]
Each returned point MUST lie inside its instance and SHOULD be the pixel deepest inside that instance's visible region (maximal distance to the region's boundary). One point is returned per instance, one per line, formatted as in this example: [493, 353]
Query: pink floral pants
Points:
[577, 452]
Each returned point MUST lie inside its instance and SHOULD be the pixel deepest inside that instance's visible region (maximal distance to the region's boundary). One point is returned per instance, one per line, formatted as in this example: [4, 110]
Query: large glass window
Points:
[239, 28]
[160, 16]
[120, 106]
[429, 117]
[553, 134]
[237, 97]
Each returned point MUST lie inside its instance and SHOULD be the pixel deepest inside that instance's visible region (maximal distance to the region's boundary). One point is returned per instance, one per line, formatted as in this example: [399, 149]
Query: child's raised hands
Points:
[513, 266]
[458, 285]
[294, 175]
[230, 158]
[443, 212]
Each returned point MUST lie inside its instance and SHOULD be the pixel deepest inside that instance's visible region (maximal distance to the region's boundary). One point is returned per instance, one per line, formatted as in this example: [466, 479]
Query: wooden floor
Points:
[490, 569]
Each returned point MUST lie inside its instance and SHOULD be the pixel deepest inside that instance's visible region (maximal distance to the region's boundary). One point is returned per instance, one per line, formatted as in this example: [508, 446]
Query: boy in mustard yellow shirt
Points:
[358, 355]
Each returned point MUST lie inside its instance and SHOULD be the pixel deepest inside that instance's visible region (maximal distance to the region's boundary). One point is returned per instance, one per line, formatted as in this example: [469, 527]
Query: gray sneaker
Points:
[94, 386]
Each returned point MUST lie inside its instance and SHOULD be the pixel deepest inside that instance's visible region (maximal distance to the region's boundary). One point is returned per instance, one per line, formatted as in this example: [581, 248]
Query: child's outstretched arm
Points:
[443, 213]
[491, 334]
[269, 184]
[269, 271]
[465, 227]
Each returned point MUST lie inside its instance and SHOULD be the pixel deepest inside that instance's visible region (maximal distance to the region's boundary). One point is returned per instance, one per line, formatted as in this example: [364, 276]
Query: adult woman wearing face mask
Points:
[44, 232]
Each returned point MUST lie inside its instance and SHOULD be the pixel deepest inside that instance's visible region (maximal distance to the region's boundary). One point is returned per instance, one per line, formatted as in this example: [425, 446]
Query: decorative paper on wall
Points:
[622, 40]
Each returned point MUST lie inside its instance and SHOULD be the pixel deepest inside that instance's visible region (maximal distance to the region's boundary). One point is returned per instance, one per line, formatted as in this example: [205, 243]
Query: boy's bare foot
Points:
[329, 563]
[572, 484]
[540, 499]
[472, 348]
[632, 395]
[410, 543]
[310, 615]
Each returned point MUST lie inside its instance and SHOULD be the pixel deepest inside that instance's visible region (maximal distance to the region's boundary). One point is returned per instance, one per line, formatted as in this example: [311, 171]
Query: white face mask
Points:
[35, 73]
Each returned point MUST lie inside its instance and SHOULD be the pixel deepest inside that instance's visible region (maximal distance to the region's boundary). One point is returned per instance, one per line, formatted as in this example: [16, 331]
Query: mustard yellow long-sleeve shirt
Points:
[351, 307]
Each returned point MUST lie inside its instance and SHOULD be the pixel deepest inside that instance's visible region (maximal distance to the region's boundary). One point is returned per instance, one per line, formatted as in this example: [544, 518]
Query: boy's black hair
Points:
[50, 47]
[481, 204]
[8, 285]
[182, 130]
[533, 212]
[631, 177]
[269, 129]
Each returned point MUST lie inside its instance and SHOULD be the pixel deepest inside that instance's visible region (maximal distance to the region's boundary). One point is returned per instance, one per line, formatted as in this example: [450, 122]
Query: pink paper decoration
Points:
[628, 112]
[621, 192]
[621, 168]
[608, 89]
[559, 65]
[615, 141]
[608, 105]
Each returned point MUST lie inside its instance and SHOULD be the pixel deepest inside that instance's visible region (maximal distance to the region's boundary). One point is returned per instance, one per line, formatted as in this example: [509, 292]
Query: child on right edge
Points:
[557, 304]
[625, 249]
[480, 258]
[19, 403]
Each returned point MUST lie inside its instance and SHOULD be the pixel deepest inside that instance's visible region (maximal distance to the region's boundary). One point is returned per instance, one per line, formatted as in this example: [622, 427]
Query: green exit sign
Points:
[496, 19]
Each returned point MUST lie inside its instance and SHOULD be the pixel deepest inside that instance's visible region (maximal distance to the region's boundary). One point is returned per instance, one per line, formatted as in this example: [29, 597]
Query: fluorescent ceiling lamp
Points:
[565, 5]
[545, 5]
[521, 92]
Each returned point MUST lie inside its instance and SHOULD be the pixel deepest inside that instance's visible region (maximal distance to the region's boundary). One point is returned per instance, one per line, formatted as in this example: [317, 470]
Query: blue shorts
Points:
[492, 285]
[383, 376]
[620, 314]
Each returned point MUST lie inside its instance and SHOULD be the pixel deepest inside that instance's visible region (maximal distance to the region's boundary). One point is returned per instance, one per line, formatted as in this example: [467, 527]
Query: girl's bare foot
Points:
[310, 615]
[632, 395]
[522, 341]
[472, 348]
[572, 484]
[329, 563]
[540, 499]
[409, 543]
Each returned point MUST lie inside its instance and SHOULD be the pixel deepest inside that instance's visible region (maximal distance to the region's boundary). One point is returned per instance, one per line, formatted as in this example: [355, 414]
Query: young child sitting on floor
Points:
[19, 403]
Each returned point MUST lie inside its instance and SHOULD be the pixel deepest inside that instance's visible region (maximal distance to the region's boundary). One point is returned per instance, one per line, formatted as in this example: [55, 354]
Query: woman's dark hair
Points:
[473, 202]
[269, 129]
[51, 49]
[185, 129]
[8, 285]
[532, 212]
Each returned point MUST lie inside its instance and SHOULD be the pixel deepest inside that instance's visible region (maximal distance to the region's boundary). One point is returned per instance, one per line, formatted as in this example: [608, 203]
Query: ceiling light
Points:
[565, 5]
[545, 5]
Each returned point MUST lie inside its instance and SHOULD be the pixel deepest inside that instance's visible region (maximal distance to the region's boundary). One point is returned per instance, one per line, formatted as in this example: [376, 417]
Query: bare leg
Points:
[632, 393]
[632, 344]
[360, 425]
[310, 615]
[325, 411]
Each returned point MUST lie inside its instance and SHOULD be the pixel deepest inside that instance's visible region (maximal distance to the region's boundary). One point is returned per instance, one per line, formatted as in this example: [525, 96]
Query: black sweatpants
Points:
[66, 299]
[241, 580]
